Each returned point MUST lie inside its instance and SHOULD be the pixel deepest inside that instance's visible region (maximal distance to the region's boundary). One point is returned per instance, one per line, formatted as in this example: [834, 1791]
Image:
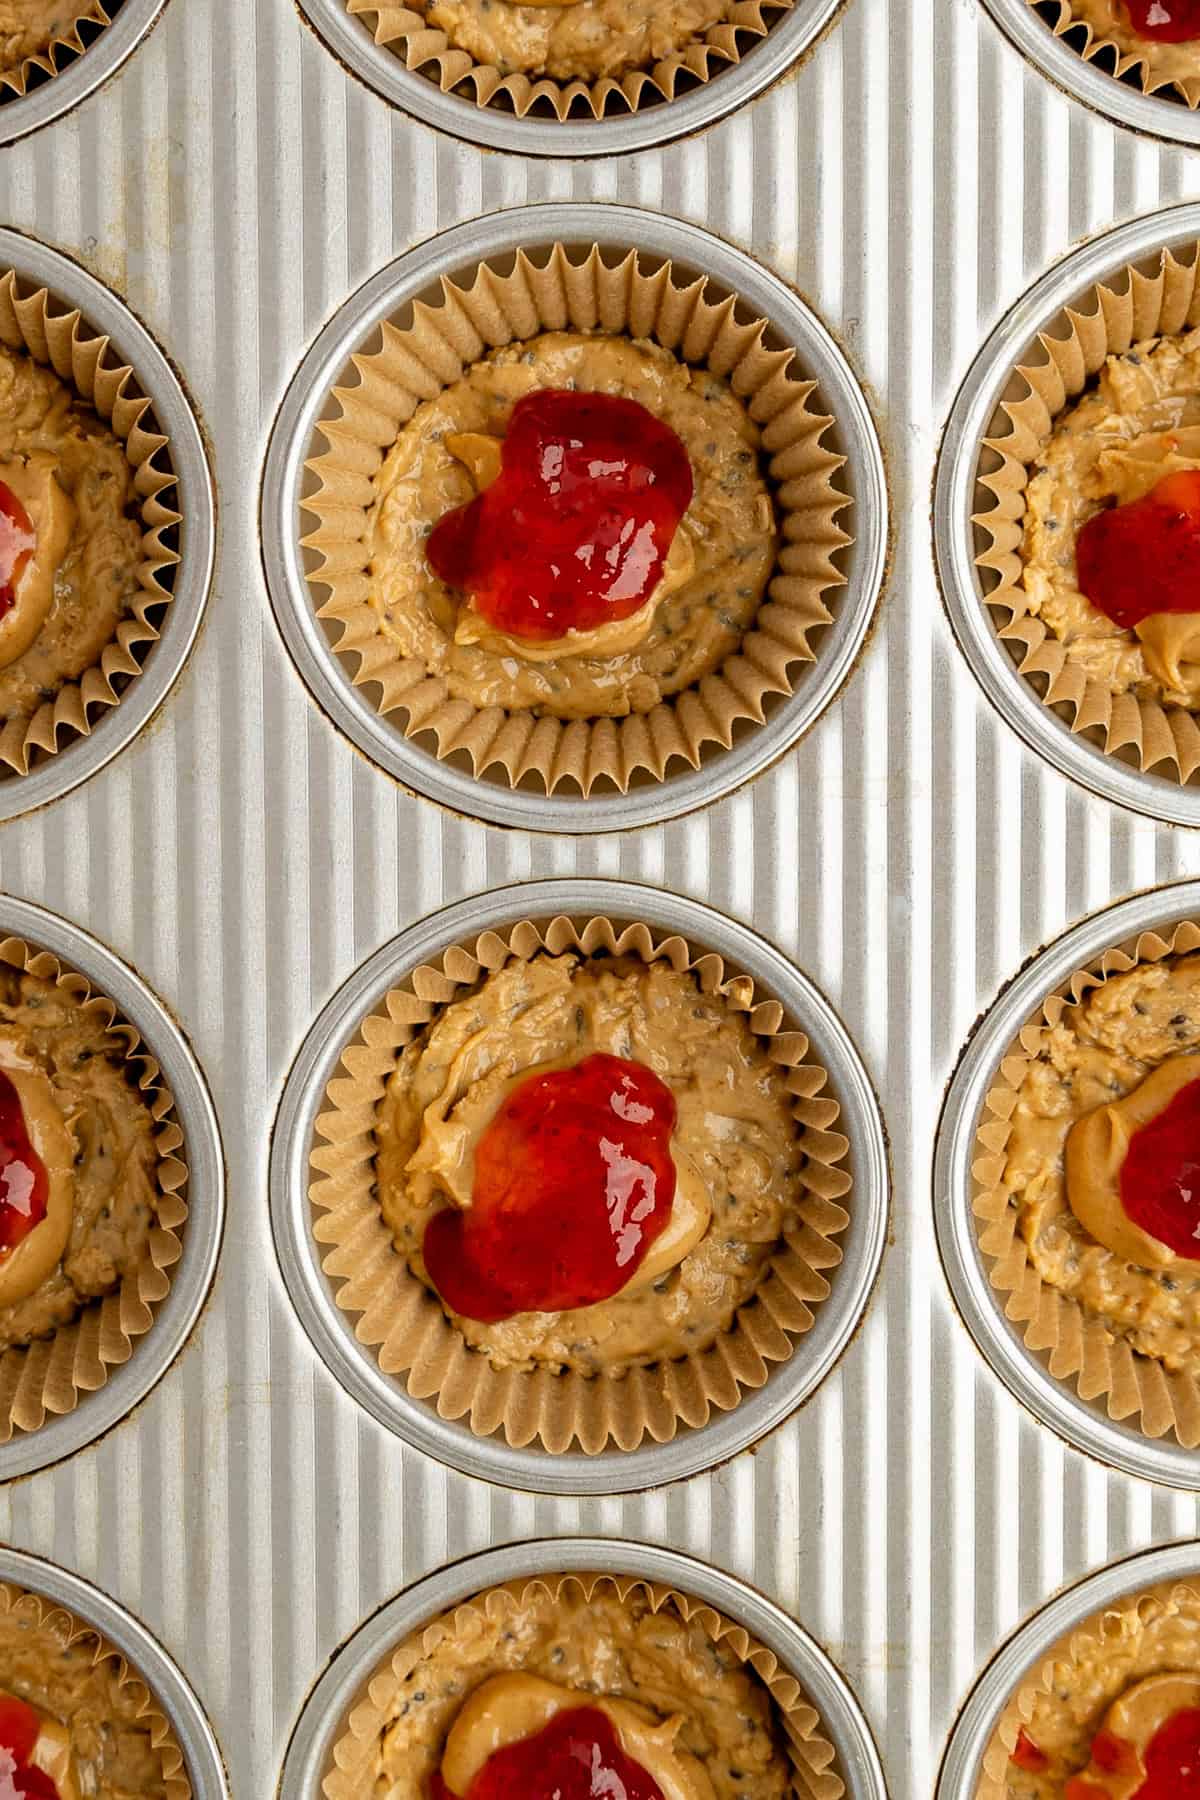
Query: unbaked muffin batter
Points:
[729, 531]
[735, 1128]
[584, 39]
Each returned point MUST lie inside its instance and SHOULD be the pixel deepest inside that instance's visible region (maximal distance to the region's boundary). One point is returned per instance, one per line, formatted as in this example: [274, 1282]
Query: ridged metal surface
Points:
[913, 178]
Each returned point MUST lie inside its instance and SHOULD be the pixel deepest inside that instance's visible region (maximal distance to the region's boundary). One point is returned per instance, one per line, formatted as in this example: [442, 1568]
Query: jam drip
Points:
[1171, 1758]
[20, 1728]
[1167, 21]
[1027, 1756]
[577, 1756]
[1145, 557]
[18, 541]
[1160, 1176]
[574, 1180]
[575, 531]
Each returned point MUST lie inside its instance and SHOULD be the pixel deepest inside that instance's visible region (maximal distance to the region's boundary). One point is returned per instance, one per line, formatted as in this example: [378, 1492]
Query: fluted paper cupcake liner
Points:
[399, 1317]
[513, 304]
[52, 1374]
[1122, 60]
[53, 1624]
[430, 52]
[1080, 1349]
[812, 1756]
[1117, 314]
[59, 52]
[63, 342]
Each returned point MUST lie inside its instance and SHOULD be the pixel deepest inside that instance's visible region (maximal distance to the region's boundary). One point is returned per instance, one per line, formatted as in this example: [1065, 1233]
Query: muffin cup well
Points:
[427, 51]
[1079, 1347]
[1120, 312]
[63, 342]
[1119, 63]
[68, 44]
[812, 1756]
[503, 305]
[403, 1321]
[51, 1375]
[56, 1625]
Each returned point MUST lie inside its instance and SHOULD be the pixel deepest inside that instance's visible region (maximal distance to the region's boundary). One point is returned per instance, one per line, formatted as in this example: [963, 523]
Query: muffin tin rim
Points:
[350, 40]
[147, 1657]
[1032, 1638]
[1082, 1424]
[1052, 57]
[61, 93]
[324, 1709]
[955, 501]
[175, 1317]
[104, 311]
[619, 227]
[451, 1442]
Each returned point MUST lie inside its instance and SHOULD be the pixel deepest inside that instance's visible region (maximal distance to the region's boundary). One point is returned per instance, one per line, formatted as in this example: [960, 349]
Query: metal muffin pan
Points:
[129, 1383]
[958, 1778]
[1085, 1424]
[958, 495]
[1121, 101]
[145, 1655]
[72, 286]
[621, 134]
[55, 95]
[456, 254]
[836, 1319]
[323, 1718]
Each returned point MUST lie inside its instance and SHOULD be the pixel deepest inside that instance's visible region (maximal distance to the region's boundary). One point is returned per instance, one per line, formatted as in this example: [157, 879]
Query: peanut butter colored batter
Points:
[72, 475]
[575, 39]
[736, 1146]
[659, 1676]
[1102, 1055]
[1119, 1684]
[1139, 423]
[84, 1703]
[721, 560]
[1165, 62]
[81, 1107]
[29, 27]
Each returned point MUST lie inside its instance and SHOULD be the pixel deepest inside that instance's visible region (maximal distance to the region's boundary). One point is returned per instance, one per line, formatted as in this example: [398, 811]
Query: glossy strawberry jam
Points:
[1145, 557]
[575, 531]
[574, 1180]
[18, 541]
[19, 1729]
[1172, 1762]
[1167, 21]
[24, 1184]
[577, 1756]
[1160, 1176]
[1027, 1756]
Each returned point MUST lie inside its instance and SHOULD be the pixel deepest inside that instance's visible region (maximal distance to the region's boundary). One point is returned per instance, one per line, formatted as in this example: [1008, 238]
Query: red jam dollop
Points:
[574, 1180]
[1172, 1762]
[1168, 21]
[18, 541]
[1145, 557]
[1160, 1176]
[1027, 1756]
[575, 531]
[577, 1756]
[19, 1731]
[24, 1184]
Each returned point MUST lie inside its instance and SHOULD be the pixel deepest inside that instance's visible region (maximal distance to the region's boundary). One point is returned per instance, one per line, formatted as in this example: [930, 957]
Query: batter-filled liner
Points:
[404, 1323]
[813, 1758]
[512, 305]
[1124, 311]
[51, 1375]
[62, 49]
[1100, 1639]
[430, 52]
[1075, 1342]
[51, 1623]
[1131, 65]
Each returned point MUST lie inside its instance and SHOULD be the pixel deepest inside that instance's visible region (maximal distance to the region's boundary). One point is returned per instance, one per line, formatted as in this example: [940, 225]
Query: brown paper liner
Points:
[1126, 310]
[813, 1758]
[1121, 64]
[52, 1374]
[499, 308]
[1078, 1346]
[48, 1619]
[61, 341]
[1124, 1619]
[431, 53]
[59, 53]
[404, 1322]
